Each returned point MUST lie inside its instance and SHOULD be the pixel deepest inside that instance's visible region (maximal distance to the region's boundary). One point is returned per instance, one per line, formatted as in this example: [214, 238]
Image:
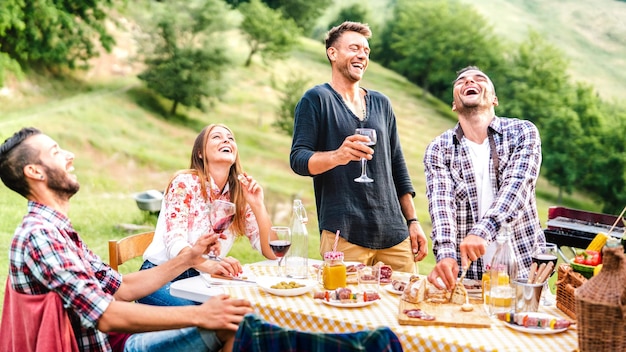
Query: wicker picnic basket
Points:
[601, 305]
[567, 281]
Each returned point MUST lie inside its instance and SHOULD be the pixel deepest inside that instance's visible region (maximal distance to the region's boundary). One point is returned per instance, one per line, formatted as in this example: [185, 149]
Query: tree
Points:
[188, 60]
[536, 83]
[354, 13]
[303, 12]
[603, 165]
[267, 32]
[561, 149]
[420, 45]
[53, 34]
[291, 92]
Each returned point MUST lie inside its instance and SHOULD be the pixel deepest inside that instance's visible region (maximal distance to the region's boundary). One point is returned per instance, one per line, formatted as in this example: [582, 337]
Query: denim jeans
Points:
[188, 339]
[162, 296]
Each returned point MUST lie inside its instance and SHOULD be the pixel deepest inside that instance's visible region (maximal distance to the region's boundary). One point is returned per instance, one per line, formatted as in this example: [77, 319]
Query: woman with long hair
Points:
[215, 173]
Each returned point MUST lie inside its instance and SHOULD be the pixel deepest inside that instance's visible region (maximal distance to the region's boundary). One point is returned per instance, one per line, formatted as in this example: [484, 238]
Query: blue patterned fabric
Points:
[258, 335]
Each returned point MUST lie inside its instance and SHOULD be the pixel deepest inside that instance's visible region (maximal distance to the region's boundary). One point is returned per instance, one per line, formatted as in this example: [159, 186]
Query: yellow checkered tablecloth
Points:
[305, 313]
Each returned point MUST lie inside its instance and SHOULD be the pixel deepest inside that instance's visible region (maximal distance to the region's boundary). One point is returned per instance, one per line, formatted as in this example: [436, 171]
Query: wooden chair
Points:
[128, 248]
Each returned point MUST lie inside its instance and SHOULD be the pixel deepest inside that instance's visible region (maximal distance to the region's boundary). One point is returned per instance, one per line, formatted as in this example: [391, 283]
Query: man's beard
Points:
[472, 108]
[58, 181]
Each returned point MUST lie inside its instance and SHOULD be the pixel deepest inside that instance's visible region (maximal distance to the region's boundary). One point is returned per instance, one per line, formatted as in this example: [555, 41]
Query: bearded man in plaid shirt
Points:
[480, 175]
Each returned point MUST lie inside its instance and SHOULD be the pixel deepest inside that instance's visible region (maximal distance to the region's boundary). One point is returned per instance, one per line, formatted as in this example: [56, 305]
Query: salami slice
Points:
[418, 314]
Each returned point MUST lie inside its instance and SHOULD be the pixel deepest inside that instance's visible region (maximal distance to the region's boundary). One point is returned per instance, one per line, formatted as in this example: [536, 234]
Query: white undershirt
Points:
[480, 161]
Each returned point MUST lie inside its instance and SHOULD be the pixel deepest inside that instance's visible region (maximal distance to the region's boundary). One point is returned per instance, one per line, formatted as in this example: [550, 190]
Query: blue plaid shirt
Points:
[453, 198]
[47, 254]
[256, 335]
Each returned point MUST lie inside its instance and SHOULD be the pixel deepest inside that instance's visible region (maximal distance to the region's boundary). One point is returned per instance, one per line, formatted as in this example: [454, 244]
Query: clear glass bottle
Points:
[296, 259]
[502, 274]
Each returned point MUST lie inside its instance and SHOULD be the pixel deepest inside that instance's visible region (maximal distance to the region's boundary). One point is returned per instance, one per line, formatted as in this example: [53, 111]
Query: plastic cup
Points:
[368, 278]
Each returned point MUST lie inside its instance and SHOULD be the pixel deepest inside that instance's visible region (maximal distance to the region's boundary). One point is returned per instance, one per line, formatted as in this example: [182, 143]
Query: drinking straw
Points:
[336, 240]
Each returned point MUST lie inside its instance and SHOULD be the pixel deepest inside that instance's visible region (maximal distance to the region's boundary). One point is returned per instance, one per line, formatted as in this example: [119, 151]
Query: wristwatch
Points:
[409, 221]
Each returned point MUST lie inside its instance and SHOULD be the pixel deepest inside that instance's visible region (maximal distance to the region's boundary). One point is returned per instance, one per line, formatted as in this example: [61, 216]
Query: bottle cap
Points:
[333, 255]
[612, 242]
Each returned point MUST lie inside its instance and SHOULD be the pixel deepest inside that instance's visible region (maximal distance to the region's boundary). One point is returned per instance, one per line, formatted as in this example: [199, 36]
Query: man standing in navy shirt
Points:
[376, 221]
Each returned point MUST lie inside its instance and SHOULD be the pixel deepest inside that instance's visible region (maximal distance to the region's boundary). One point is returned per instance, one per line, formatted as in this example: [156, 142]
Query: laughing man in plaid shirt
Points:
[47, 255]
[480, 175]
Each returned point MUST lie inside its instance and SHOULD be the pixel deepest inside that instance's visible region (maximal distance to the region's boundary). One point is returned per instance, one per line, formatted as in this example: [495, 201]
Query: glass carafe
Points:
[296, 260]
[502, 274]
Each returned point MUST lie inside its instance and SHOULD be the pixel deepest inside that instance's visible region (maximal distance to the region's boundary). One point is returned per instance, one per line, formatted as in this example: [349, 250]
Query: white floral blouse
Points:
[184, 217]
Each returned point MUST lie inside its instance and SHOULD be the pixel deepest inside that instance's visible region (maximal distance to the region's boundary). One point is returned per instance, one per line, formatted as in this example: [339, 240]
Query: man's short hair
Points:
[334, 33]
[14, 156]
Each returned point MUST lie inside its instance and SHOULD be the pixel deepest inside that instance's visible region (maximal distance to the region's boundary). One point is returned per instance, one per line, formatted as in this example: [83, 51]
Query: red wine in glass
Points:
[222, 224]
[221, 215]
[541, 258]
[280, 241]
[280, 247]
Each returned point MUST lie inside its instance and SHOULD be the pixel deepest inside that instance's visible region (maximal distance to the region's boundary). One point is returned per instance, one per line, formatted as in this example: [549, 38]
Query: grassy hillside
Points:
[123, 146]
[590, 33]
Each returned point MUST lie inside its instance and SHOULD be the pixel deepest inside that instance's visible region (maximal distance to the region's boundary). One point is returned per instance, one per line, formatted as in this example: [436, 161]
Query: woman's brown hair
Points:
[200, 166]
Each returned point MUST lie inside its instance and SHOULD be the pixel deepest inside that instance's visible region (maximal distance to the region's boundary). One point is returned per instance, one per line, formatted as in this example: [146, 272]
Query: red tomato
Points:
[593, 258]
[588, 257]
[579, 259]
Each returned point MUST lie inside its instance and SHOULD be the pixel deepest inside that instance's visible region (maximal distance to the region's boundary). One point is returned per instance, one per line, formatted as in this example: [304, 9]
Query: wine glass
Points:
[281, 244]
[371, 134]
[545, 253]
[221, 215]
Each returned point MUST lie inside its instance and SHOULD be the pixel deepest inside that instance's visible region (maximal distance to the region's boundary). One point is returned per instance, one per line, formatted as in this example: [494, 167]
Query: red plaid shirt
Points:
[47, 254]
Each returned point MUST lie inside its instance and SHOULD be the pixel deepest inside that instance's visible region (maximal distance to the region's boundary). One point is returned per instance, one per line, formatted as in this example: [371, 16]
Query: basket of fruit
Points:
[586, 262]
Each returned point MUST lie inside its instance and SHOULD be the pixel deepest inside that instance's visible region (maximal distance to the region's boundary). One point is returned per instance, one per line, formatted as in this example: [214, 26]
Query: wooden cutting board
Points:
[446, 314]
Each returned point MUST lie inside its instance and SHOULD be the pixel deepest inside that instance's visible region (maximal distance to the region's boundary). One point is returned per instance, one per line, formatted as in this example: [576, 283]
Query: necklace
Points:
[362, 104]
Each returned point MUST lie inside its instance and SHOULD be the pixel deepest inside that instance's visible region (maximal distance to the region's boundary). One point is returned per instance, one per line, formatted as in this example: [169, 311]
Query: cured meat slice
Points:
[418, 314]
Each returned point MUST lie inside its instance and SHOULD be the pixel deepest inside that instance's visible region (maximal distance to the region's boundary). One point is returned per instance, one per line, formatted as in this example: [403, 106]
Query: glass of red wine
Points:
[221, 215]
[371, 134]
[545, 253]
[281, 244]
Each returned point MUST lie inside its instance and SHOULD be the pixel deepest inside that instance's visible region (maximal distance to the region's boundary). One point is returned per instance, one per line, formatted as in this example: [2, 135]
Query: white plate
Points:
[266, 283]
[390, 288]
[349, 304]
[535, 330]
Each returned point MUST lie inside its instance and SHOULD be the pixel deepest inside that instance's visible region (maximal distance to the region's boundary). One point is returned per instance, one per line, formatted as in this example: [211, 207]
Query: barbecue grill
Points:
[576, 228]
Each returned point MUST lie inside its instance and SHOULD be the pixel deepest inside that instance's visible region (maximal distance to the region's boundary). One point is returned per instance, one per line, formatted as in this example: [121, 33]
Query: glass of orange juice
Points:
[333, 271]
